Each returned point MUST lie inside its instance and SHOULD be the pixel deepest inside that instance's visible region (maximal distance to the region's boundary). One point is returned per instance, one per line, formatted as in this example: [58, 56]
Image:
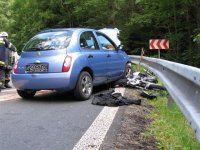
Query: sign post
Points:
[159, 44]
[141, 57]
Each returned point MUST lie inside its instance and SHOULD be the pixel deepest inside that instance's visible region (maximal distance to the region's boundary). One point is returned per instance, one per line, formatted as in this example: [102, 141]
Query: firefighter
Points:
[6, 47]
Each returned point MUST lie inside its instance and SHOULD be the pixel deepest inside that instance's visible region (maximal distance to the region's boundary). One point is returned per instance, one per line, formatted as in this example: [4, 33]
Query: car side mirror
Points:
[120, 47]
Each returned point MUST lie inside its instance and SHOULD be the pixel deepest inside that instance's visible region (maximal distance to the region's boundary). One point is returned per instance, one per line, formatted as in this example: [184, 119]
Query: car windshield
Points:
[49, 41]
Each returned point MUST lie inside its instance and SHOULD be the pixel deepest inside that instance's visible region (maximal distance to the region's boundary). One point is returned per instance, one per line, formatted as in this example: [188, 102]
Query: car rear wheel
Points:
[26, 94]
[84, 86]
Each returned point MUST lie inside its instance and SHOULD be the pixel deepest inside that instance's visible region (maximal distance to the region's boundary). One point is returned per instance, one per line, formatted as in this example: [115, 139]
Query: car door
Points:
[96, 57]
[116, 61]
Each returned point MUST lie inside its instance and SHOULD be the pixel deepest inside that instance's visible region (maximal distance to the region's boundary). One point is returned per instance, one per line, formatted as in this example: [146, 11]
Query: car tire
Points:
[26, 94]
[84, 86]
[128, 71]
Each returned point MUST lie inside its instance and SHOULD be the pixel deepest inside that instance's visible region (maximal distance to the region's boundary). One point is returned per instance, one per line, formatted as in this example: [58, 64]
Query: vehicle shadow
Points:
[53, 96]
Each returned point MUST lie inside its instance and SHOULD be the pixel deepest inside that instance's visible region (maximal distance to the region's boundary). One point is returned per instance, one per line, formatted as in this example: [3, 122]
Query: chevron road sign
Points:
[158, 44]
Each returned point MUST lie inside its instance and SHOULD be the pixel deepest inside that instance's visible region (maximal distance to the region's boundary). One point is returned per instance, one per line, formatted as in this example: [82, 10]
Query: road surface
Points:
[52, 121]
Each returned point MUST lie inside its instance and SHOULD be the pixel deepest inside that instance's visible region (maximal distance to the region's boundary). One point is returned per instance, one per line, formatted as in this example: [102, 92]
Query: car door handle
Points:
[108, 55]
[90, 56]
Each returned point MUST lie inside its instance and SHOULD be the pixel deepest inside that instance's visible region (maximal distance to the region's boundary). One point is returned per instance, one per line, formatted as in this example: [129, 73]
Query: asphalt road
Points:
[49, 121]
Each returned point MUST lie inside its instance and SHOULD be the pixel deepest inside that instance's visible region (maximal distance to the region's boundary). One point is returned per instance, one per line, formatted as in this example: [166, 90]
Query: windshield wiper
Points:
[35, 49]
[40, 48]
[48, 48]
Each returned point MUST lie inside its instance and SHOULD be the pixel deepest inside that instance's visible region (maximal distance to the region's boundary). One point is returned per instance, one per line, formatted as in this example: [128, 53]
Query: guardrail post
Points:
[170, 101]
[138, 67]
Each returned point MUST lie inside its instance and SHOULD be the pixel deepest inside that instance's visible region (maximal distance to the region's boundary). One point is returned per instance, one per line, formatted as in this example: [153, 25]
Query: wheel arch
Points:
[89, 70]
[128, 62]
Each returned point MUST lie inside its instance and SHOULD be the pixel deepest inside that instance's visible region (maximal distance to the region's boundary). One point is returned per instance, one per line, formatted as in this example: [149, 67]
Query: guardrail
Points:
[182, 83]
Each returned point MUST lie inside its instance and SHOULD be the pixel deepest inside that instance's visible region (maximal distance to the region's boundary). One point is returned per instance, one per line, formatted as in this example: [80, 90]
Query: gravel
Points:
[131, 132]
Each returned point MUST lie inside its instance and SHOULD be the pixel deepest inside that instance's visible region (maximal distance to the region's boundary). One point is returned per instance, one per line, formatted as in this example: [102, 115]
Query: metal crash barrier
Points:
[182, 83]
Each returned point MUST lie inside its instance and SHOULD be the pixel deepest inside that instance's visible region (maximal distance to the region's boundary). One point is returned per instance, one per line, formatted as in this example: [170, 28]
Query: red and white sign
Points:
[158, 44]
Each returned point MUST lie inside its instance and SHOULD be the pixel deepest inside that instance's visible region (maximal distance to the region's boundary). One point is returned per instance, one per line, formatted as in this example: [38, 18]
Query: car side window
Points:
[88, 41]
[106, 43]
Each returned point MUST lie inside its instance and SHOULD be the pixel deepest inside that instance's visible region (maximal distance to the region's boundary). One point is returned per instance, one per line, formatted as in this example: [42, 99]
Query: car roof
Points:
[64, 29]
[109, 29]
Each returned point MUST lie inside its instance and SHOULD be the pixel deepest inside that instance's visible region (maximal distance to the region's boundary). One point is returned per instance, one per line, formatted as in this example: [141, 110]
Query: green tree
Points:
[139, 20]
[176, 20]
[5, 14]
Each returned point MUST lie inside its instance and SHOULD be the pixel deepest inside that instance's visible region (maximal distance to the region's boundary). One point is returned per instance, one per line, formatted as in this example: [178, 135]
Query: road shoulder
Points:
[129, 126]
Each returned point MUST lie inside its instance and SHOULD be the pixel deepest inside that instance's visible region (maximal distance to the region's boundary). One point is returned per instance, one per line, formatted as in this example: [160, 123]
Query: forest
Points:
[138, 20]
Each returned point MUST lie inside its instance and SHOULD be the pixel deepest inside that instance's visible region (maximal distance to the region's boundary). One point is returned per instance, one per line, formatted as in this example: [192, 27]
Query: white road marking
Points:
[9, 97]
[14, 96]
[94, 136]
[11, 90]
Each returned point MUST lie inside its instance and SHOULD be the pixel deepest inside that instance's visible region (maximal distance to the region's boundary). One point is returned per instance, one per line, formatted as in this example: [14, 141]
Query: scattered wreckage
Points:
[142, 82]
[113, 99]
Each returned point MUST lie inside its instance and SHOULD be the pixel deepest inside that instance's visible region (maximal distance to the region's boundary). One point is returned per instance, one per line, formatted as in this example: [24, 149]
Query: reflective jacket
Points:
[5, 48]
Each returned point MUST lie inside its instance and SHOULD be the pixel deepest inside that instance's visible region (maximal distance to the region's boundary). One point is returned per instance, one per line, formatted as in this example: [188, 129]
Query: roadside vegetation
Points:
[138, 20]
[170, 128]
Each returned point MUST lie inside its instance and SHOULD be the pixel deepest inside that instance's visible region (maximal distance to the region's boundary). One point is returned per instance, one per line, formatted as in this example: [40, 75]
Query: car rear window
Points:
[49, 41]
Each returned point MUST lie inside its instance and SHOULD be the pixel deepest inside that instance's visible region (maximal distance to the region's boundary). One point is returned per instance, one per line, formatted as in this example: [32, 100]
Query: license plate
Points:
[37, 68]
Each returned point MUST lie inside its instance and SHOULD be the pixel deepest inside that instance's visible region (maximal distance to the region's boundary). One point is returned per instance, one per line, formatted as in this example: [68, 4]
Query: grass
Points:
[170, 128]
[139, 68]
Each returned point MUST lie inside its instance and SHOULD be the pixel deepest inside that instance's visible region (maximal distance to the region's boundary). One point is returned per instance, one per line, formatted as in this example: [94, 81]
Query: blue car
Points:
[68, 59]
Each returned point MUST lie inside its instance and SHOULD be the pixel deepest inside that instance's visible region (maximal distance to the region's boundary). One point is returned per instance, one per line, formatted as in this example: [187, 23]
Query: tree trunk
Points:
[189, 31]
[112, 12]
[175, 30]
[198, 13]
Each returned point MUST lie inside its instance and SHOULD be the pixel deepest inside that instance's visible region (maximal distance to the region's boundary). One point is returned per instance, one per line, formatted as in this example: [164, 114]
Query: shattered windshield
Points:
[49, 41]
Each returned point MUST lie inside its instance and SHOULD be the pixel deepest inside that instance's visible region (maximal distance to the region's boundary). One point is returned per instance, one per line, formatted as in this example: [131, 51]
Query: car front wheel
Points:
[128, 71]
[84, 86]
[26, 94]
